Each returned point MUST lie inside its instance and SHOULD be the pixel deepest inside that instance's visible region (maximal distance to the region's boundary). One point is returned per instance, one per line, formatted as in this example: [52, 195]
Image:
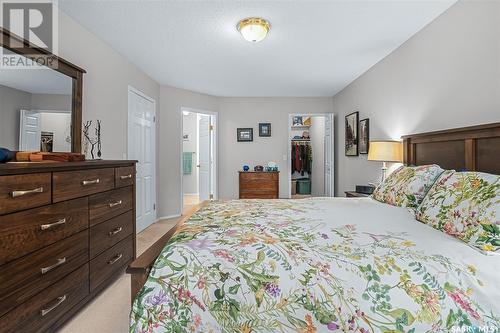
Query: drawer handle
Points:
[91, 182]
[113, 204]
[16, 194]
[126, 177]
[47, 269]
[60, 300]
[115, 259]
[115, 231]
[52, 225]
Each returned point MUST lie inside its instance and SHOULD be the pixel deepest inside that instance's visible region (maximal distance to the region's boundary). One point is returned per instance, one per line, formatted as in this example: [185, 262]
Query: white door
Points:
[204, 165]
[141, 147]
[329, 162]
[29, 131]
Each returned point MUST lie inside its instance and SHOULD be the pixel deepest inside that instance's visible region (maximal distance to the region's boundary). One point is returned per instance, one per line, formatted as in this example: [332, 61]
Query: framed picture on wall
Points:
[351, 134]
[297, 121]
[364, 136]
[264, 129]
[244, 134]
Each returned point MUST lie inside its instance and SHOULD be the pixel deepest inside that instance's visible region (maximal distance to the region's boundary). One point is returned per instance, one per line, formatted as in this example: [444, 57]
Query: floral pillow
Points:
[407, 186]
[465, 205]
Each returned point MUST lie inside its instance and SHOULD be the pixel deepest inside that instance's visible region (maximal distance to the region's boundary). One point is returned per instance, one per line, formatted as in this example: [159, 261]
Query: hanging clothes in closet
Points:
[301, 157]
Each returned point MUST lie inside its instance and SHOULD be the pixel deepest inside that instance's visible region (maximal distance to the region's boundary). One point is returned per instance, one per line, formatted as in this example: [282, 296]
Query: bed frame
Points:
[474, 148]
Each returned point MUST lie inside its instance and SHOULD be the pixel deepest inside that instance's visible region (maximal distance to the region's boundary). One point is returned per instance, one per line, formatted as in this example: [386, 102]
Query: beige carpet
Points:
[109, 312]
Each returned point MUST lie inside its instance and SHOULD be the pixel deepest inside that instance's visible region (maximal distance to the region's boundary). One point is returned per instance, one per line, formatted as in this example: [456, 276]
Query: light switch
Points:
[285, 157]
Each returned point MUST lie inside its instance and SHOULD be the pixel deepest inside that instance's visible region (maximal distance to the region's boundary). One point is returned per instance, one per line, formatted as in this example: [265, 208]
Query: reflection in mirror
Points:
[35, 110]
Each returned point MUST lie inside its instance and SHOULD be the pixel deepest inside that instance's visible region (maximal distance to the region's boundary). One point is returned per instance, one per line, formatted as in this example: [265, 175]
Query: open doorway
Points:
[311, 155]
[198, 157]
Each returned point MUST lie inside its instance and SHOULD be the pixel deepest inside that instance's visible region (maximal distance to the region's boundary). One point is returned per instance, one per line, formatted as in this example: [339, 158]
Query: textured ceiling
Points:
[315, 48]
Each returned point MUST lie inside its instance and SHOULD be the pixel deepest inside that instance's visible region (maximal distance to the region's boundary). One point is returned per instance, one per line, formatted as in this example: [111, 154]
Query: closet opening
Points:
[198, 157]
[311, 155]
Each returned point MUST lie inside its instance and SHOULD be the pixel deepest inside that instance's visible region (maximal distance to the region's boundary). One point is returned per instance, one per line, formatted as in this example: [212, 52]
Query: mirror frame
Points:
[30, 50]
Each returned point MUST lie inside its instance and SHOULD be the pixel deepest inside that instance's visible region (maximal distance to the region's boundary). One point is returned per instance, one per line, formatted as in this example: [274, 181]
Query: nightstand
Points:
[352, 194]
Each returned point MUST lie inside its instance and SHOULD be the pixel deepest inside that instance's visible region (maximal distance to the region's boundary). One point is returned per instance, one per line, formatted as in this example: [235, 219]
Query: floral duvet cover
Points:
[316, 265]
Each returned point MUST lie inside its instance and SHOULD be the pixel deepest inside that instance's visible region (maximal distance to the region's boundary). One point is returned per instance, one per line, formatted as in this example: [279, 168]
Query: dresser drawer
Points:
[259, 176]
[74, 184]
[25, 277]
[124, 176]
[43, 310]
[258, 195]
[106, 234]
[104, 206]
[25, 232]
[111, 261]
[24, 191]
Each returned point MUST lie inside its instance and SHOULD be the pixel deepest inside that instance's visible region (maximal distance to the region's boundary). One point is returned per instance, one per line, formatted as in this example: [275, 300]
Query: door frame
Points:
[215, 144]
[330, 115]
[131, 89]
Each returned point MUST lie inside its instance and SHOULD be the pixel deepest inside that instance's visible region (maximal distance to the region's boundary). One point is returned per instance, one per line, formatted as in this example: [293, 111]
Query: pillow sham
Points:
[465, 205]
[407, 186]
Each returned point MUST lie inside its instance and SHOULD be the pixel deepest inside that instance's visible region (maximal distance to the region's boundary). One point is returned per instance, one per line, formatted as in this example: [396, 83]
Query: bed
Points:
[322, 264]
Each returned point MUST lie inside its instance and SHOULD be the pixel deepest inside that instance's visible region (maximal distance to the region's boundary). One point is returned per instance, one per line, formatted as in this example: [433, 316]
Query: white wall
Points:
[249, 112]
[12, 100]
[447, 75]
[190, 127]
[317, 134]
[51, 102]
[172, 100]
[105, 85]
[59, 124]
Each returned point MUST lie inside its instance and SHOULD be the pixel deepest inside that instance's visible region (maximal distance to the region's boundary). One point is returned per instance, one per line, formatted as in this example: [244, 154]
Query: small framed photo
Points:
[351, 134]
[244, 134]
[264, 129]
[364, 136]
[297, 121]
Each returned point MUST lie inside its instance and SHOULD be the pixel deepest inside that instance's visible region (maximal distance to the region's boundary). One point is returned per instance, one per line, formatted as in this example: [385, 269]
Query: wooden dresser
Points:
[259, 184]
[66, 231]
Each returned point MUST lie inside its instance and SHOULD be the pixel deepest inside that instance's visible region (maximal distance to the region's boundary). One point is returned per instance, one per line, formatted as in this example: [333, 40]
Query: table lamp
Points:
[385, 151]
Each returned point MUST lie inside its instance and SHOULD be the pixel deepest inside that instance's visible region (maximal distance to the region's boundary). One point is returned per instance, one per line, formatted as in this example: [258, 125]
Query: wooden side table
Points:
[352, 194]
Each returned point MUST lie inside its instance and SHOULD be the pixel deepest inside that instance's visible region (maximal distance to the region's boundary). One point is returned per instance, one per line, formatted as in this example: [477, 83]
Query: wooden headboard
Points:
[475, 148]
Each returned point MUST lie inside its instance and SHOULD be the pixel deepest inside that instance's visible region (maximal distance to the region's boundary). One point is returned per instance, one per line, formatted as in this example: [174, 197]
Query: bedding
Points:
[407, 186]
[465, 205]
[316, 265]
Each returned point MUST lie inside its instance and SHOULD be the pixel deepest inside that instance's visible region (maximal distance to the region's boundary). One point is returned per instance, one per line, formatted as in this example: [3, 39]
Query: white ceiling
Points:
[315, 48]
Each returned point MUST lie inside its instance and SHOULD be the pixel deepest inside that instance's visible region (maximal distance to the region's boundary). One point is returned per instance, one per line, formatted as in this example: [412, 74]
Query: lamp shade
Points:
[386, 151]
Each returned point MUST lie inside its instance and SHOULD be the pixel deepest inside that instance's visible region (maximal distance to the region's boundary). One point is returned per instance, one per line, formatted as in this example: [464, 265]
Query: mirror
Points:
[35, 110]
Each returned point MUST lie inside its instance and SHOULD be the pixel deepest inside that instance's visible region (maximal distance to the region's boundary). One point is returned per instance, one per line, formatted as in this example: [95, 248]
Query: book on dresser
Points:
[67, 230]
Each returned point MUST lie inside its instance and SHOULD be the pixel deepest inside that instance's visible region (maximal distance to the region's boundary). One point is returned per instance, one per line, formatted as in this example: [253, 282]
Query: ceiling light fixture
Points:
[253, 29]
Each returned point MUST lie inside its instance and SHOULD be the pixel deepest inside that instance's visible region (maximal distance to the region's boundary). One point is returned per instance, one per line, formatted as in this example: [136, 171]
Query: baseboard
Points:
[167, 217]
[191, 194]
